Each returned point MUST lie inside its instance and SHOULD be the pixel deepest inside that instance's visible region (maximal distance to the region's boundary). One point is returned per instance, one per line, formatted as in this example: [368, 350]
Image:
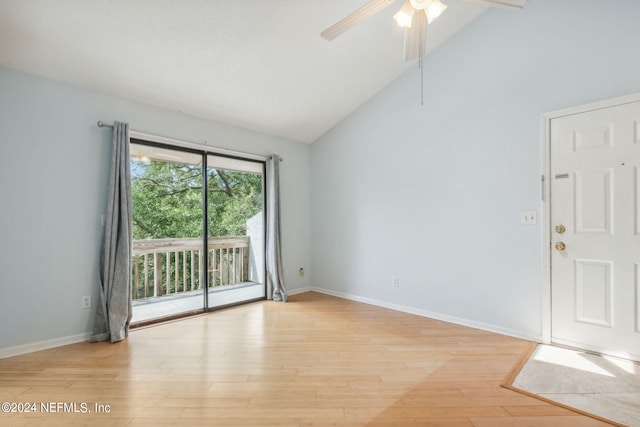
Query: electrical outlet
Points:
[301, 272]
[86, 301]
[395, 282]
[528, 217]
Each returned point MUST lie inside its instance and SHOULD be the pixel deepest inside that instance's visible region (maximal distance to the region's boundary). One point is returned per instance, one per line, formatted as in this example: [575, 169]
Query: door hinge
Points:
[542, 187]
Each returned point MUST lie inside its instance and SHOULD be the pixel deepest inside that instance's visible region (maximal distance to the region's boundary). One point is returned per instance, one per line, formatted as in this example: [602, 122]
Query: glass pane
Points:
[166, 188]
[236, 231]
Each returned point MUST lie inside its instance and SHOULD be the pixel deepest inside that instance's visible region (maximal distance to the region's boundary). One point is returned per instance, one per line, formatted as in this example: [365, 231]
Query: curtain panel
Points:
[113, 313]
[275, 278]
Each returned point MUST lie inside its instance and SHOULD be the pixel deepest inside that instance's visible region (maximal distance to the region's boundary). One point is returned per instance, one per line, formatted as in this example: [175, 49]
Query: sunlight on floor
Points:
[626, 365]
[570, 359]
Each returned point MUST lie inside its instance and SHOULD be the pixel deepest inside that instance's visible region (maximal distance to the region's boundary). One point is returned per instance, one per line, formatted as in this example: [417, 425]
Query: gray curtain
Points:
[113, 313]
[275, 278]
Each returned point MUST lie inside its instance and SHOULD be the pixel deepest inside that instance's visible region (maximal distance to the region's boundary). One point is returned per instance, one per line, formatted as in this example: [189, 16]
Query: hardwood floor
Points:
[316, 360]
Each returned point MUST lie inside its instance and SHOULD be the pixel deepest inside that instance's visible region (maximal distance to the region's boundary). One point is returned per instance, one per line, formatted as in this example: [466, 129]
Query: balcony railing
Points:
[173, 266]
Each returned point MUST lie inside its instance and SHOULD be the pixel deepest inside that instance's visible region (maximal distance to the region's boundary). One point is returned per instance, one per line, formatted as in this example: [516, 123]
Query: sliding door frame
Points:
[204, 153]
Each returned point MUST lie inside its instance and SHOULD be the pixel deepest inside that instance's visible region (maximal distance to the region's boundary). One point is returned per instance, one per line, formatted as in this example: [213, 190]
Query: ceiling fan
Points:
[414, 16]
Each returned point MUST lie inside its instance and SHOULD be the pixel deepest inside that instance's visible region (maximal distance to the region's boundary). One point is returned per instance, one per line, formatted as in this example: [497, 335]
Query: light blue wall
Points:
[433, 194]
[54, 164]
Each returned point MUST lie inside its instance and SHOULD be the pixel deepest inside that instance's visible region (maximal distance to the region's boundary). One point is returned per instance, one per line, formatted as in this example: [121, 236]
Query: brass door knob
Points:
[560, 246]
[560, 229]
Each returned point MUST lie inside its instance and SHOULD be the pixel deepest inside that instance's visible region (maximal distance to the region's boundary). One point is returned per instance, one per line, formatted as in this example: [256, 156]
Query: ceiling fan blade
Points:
[513, 4]
[356, 17]
[415, 37]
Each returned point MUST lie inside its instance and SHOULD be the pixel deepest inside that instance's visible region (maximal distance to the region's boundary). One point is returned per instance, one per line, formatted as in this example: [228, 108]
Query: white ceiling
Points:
[257, 64]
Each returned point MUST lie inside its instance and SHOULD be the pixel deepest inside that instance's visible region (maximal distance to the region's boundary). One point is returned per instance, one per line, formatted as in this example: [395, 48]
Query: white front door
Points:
[595, 229]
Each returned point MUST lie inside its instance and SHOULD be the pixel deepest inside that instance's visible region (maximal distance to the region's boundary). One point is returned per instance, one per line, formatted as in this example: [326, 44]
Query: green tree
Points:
[167, 200]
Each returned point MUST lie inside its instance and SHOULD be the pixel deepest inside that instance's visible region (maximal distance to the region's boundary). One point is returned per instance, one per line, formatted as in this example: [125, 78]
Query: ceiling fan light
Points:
[405, 15]
[420, 4]
[434, 10]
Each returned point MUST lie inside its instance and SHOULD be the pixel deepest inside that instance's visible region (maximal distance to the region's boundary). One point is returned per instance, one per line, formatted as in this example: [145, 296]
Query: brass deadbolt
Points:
[560, 229]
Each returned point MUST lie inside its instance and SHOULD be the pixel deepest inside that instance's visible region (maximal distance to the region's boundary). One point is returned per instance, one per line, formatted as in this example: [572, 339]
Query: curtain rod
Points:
[102, 124]
[187, 144]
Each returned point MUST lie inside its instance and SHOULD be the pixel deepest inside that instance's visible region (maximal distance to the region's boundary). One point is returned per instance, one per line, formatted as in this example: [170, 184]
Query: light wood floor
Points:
[316, 360]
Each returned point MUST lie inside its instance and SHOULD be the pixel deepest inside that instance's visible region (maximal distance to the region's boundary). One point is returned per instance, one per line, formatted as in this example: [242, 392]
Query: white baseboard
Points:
[431, 315]
[43, 345]
[299, 290]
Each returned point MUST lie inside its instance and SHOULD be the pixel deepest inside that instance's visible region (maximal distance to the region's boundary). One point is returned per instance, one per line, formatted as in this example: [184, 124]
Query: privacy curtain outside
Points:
[275, 277]
[113, 313]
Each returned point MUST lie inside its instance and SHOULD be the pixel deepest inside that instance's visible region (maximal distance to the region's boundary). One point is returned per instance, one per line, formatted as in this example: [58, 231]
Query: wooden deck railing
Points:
[172, 266]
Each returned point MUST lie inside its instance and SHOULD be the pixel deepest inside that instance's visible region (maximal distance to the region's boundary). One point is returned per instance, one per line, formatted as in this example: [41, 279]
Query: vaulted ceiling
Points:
[257, 64]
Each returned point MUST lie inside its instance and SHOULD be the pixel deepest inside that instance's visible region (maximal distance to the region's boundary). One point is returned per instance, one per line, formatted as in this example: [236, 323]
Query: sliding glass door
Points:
[179, 196]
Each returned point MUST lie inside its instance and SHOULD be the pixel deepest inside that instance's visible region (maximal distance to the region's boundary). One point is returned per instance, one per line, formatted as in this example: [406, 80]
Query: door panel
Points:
[236, 231]
[592, 137]
[637, 285]
[594, 292]
[595, 156]
[167, 232]
[593, 201]
[636, 197]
